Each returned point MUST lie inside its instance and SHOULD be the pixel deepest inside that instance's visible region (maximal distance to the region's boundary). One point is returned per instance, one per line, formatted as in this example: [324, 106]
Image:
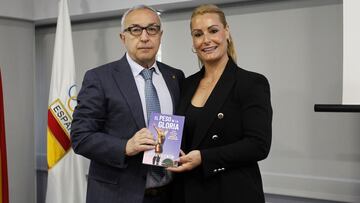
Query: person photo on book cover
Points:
[161, 135]
[228, 118]
[114, 105]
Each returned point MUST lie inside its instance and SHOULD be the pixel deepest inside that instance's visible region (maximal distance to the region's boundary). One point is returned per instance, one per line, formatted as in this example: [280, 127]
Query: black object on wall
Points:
[336, 108]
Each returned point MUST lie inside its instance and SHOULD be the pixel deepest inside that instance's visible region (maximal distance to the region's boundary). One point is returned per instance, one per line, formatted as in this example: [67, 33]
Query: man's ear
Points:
[122, 37]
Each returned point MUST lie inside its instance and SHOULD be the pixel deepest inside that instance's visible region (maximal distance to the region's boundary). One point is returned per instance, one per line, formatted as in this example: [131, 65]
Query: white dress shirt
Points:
[162, 90]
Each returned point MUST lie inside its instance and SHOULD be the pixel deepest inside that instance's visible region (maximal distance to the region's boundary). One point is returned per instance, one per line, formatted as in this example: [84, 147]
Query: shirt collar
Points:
[136, 68]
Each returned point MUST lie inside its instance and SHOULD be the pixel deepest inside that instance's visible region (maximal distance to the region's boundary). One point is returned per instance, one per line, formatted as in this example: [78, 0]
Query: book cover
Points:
[167, 131]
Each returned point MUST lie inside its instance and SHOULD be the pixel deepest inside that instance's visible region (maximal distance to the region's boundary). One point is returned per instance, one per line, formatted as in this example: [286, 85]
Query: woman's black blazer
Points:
[233, 133]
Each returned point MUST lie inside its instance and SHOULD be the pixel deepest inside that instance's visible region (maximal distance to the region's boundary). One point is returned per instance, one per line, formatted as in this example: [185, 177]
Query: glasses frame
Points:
[129, 29]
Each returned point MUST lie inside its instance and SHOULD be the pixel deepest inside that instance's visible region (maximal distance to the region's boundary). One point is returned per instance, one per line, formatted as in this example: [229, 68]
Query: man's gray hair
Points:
[136, 8]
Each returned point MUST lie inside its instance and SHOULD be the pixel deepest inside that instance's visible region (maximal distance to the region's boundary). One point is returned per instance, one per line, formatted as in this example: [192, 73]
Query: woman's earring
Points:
[193, 50]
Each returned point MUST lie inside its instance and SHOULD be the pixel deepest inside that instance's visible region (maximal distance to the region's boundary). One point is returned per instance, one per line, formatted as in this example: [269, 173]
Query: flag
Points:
[66, 170]
[4, 190]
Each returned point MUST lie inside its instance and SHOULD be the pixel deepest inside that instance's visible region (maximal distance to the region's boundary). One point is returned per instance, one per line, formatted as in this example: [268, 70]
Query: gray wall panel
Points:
[17, 67]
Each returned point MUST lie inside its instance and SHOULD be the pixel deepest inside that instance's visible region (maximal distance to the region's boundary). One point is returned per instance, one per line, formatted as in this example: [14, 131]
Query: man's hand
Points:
[188, 161]
[143, 140]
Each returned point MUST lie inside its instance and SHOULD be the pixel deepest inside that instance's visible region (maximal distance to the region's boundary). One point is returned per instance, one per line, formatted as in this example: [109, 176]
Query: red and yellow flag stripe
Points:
[58, 138]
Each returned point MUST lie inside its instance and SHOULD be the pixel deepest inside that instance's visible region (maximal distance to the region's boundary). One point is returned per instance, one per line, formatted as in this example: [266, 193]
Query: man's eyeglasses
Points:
[137, 30]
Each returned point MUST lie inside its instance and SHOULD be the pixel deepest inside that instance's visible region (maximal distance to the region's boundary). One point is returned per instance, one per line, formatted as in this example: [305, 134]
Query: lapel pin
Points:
[173, 77]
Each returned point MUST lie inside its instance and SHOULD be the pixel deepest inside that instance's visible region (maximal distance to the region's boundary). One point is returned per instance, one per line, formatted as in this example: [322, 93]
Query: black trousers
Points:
[158, 195]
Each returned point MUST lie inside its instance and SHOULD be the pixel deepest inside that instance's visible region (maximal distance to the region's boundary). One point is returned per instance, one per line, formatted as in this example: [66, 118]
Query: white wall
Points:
[298, 46]
[351, 61]
[17, 67]
[46, 11]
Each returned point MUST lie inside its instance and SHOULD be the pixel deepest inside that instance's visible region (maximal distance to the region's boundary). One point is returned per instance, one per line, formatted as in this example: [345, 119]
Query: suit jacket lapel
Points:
[126, 83]
[214, 103]
[188, 91]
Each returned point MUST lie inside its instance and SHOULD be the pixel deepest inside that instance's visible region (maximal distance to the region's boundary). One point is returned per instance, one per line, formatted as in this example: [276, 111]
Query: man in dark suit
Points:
[109, 125]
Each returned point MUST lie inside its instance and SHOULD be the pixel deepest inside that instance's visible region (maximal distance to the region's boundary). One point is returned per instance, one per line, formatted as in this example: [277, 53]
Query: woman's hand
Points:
[188, 161]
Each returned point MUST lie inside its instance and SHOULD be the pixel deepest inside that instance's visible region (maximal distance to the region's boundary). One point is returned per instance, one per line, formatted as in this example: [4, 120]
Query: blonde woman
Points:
[228, 120]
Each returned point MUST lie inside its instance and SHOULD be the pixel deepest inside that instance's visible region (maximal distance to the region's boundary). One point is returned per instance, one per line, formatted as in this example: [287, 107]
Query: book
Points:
[167, 131]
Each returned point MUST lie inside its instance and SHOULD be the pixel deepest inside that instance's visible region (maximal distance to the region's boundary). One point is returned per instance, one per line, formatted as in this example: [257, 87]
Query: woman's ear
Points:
[227, 31]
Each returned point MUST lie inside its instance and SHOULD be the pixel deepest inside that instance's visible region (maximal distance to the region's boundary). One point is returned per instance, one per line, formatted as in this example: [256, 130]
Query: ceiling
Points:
[43, 12]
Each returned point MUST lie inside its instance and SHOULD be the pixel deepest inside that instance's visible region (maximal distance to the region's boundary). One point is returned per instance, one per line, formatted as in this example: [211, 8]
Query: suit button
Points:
[220, 115]
[215, 137]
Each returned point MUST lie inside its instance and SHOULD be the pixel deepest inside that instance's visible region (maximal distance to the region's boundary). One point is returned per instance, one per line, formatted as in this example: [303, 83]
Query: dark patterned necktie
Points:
[151, 97]
[152, 105]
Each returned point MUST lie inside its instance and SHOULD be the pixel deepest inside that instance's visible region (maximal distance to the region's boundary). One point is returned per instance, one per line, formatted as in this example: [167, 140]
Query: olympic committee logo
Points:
[72, 101]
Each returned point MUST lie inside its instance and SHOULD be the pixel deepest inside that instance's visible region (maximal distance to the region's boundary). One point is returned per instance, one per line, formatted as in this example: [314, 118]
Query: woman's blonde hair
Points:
[211, 8]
